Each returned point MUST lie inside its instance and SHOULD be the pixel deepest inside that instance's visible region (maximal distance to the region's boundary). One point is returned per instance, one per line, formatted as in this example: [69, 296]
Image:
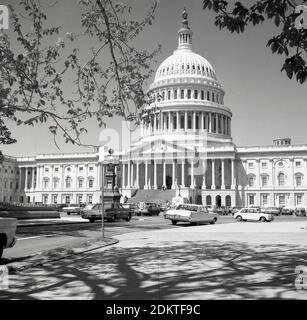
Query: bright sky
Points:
[264, 102]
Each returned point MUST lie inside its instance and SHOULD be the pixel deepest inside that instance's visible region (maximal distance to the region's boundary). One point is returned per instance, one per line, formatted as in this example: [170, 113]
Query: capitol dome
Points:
[185, 98]
[182, 63]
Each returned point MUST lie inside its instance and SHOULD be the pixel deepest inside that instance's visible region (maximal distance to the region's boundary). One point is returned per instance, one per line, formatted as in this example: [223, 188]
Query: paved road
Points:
[223, 261]
[40, 238]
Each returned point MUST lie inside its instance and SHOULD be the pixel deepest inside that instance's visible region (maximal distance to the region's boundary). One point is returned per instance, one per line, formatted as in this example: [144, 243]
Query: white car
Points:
[7, 233]
[192, 213]
[253, 214]
[72, 208]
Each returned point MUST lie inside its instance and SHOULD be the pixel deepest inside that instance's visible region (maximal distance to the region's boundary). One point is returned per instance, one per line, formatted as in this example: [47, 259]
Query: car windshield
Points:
[187, 207]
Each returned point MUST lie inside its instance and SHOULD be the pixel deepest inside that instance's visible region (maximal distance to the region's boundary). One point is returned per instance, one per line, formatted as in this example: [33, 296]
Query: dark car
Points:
[112, 211]
[153, 209]
[287, 211]
[271, 210]
[300, 212]
[221, 210]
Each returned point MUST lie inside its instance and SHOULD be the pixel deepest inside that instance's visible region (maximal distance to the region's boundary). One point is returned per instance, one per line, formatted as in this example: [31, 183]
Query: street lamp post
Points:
[110, 163]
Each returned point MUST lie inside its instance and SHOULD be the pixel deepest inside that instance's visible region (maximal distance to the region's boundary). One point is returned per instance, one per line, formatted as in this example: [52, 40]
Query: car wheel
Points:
[68, 213]
[113, 218]
[174, 222]
[239, 218]
[263, 219]
[128, 218]
[213, 221]
[1, 250]
[91, 220]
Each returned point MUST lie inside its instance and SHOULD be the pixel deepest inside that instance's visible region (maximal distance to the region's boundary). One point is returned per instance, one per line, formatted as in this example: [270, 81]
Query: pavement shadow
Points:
[187, 270]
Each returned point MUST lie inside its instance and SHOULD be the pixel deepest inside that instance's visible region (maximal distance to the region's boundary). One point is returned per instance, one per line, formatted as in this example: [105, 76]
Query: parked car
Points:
[300, 212]
[112, 211]
[7, 233]
[210, 208]
[253, 214]
[235, 209]
[192, 213]
[131, 206]
[72, 208]
[221, 210]
[271, 210]
[153, 209]
[287, 211]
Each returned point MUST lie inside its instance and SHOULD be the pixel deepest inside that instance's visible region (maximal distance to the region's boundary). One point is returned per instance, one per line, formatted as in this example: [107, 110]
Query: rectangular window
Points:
[189, 94]
[45, 198]
[46, 169]
[250, 165]
[79, 198]
[298, 164]
[90, 199]
[282, 200]
[56, 169]
[55, 183]
[196, 94]
[168, 95]
[175, 94]
[80, 169]
[46, 184]
[299, 199]
[54, 198]
[251, 200]
[182, 122]
[202, 95]
[80, 182]
[264, 165]
[264, 199]
[91, 168]
[67, 199]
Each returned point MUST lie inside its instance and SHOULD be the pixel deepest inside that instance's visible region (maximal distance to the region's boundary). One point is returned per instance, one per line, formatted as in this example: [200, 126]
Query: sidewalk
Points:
[201, 262]
[45, 222]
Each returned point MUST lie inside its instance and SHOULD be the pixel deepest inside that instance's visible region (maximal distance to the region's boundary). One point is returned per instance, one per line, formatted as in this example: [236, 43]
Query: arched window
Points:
[181, 94]
[251, 180]
[264, 180]
[189, 94]
[213, 97]
[197, 122]
[202, 95]
[68, 182]
[56, 183]
[80, 182]
[195, 94]
[208, 95]
[298, 179]
[175, 122]
[182, 121]
[90, 182]
[175, 94]
[281, 179]
[168, 95]
[46, 183]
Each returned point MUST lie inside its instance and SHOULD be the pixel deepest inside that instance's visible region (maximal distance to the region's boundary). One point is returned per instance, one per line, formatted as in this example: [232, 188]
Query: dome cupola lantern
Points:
[185, 33]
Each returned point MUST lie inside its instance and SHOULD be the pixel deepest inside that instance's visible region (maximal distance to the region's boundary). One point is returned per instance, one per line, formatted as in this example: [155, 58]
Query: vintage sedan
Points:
[192, 213]
[253, 214]
[271, 210]
[72, 208]
[112, 211]
[7, 233]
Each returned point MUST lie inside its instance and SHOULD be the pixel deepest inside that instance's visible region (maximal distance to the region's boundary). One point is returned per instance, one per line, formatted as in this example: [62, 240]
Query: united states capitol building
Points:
[185, 149]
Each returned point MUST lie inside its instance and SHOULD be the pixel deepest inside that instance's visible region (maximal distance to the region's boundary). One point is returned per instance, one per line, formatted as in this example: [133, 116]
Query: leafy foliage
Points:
[291, 42]
[108, 82]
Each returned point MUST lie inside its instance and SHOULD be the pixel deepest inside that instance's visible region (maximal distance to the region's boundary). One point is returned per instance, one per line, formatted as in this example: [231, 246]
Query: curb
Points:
[50, 224]
[15, 267]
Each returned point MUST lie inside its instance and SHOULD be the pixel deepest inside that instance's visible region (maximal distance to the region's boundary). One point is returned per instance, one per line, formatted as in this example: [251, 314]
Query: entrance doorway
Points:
[218, 201]
[168, 182]
[228, 201]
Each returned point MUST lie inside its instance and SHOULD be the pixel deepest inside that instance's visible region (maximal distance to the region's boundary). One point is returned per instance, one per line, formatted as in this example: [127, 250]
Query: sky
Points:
[265, 103]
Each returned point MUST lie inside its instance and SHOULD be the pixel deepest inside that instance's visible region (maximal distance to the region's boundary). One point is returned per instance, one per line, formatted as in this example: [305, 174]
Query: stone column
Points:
[213, 175]
[155, 175]
[185, 121]
[155, 123]
[164, 173]
[202, 122]
[170, 122]
[223, 174]
[192, 186]
[174, 175]
[33, 180]
[62, 177]
[129, 176]
[216, 123]
[20, 179]
[194, 121]
[146, 175]
[182, 174]
[137, 185]
[124, 175]
[210, 122]
[178, 123]
[132, 183]
[233, 175]
[204, 174]
[26, 178]
[222, 124]
[161, 122]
